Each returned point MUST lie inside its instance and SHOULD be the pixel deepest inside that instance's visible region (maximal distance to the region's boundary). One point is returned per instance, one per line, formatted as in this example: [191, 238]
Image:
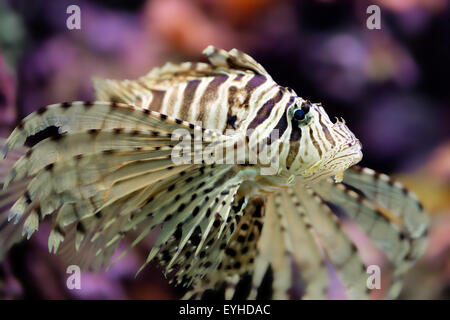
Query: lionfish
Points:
[103, 171]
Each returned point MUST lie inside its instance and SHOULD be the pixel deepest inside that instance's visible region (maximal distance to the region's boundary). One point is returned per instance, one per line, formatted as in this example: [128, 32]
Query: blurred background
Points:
[391, 85]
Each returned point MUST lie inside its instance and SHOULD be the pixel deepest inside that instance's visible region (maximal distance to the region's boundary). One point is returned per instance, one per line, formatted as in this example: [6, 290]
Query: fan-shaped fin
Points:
[282, 261]
[339, 248]
[389, 214]
[79, 116]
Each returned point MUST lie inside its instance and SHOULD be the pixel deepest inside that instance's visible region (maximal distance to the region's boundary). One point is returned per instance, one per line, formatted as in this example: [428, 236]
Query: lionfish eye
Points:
[301, 113]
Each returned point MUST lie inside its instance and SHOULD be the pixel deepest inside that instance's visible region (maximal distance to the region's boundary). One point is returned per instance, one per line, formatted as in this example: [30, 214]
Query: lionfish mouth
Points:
[348, 157]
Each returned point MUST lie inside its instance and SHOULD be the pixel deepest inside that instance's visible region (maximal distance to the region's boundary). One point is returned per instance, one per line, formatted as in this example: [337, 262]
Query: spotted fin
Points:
[275, 260]
[200, 211]
[238, 261]
[97, 182]
[12, 230]
[72, 117]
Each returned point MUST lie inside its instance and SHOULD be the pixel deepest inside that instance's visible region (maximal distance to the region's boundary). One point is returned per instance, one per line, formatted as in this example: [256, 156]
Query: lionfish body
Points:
[106, 172]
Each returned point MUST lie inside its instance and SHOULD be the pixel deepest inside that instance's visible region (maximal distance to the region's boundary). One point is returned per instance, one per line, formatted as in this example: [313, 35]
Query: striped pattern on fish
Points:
[103, 173]
[191, 91]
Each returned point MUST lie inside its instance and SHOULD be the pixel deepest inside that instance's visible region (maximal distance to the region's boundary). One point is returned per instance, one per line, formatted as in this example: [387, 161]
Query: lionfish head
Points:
[318, 148]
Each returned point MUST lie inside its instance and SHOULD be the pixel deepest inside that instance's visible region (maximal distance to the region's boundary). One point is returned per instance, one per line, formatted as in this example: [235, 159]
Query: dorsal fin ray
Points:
[160, 78]
[234, 59]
